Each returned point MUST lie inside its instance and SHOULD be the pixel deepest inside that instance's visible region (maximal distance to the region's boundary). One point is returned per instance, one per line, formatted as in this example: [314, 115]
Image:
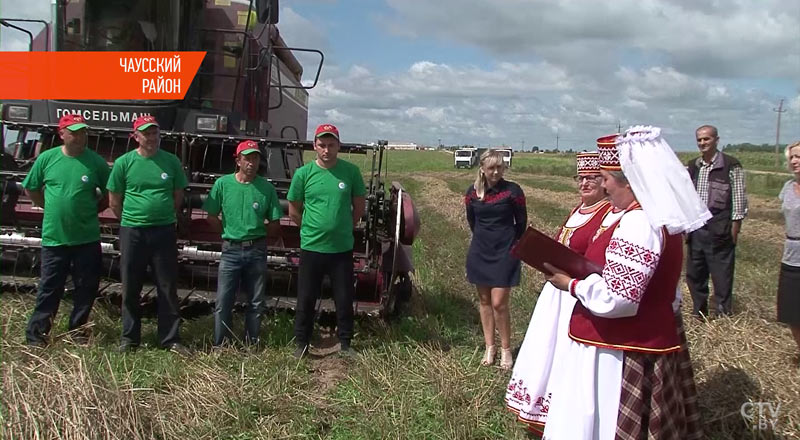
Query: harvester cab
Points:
[249, 86]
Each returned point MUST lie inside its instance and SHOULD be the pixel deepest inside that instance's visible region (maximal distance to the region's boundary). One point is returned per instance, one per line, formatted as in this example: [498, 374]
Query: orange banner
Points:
[97, 75]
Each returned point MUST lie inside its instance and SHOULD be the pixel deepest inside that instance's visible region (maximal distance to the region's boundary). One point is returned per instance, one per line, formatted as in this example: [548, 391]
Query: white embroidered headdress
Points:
[660, 181]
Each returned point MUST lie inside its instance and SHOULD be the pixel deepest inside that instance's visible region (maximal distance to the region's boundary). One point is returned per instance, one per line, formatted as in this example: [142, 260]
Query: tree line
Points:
[768, 148]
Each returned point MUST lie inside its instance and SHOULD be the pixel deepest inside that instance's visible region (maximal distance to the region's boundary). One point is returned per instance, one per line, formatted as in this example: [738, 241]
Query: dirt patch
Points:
[438, 196]
[329, 371]
[763, 231]
[327, 366]
[761, 203]
[562, 199]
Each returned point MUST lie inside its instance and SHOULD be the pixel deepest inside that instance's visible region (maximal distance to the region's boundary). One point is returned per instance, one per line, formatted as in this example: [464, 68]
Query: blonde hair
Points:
[788, 154]
[489, 157]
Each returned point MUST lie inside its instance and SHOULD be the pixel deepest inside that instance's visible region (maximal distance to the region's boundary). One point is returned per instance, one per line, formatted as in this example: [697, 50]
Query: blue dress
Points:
[497, 222]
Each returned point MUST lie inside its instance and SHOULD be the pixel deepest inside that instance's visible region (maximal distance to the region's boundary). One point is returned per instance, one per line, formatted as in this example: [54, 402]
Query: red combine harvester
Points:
[248, 87]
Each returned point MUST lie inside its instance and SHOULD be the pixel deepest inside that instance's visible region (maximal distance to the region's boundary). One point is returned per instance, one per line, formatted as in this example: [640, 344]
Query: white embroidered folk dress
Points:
[587, 384]
[528, 394]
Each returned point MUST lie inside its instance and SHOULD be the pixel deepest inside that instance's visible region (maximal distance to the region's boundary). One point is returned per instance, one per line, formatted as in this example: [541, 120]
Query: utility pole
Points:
[523, 145]
[779, 110]
[557, 139]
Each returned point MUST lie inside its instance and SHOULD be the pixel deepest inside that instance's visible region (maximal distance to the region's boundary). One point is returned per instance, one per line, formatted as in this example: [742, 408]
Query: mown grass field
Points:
[415, 378]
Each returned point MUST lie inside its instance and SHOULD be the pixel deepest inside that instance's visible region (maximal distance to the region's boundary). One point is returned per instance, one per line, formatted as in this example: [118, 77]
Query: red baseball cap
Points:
[143, 122]
[324, 129]
[71, 122]
[247, 147]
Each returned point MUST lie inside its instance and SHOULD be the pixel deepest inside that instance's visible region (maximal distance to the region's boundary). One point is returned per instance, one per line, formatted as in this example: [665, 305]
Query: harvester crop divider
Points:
[147, 295]
[103, 289]
[208, 276]
[111, 267]
[221, 150]
[288, 285]
[185, 299]
[113, 144]
[14, 272]
[317, 309]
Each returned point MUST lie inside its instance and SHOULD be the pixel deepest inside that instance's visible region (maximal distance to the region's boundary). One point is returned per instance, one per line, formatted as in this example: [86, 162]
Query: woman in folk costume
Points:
[528, 394]
[626, 373]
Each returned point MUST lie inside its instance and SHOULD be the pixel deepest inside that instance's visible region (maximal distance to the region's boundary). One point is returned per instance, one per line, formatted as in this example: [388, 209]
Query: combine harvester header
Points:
[249, 87]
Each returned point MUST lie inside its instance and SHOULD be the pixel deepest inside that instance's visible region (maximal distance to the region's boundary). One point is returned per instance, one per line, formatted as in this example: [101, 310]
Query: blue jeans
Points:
[84, 262]
[242, 265]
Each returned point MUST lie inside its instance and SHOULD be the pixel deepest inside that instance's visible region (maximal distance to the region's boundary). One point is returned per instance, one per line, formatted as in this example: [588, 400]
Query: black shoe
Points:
[36, 343]
[345, 351]
[252, 342]
[127, 347]
[301, 351]
[179, 349]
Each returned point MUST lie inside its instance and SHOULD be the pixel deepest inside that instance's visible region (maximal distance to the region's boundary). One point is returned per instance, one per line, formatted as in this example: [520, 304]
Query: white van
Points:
[507, 155]
[465, 158]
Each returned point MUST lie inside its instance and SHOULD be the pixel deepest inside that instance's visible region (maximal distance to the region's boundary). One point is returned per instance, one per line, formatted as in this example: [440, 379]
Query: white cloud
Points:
[728, 39]
[580, 68]
[465, 104]
[575, 68]
[794, 105]
[14, 40]
[336, 115]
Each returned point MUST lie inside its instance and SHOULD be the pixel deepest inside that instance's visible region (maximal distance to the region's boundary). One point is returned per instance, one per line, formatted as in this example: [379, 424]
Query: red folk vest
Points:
[579, 237]
[653, 328]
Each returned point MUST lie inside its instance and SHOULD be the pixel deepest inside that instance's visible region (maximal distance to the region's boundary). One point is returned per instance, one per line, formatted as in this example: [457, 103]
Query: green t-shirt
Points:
[147, 185]
[244, 206]
[327, 196]
[70, 195]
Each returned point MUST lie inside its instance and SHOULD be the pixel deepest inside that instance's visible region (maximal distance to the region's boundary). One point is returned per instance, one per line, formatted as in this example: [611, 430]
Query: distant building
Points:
[392, 145]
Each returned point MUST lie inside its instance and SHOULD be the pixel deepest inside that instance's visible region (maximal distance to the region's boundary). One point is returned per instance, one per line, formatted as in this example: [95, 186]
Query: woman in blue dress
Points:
[497, 217]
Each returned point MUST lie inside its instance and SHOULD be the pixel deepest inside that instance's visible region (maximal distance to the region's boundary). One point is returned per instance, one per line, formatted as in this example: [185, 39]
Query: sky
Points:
[524, 73]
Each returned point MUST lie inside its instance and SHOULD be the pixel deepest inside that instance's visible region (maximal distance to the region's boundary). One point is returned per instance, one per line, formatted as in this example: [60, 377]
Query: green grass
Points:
[548, 164]
[763, 176]
[767, 185]
[751, 160]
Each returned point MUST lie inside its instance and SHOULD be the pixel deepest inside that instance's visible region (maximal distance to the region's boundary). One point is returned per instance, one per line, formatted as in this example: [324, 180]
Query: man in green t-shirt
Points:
[145, 190]
[71, 176]
[326, 199]
[245, 201]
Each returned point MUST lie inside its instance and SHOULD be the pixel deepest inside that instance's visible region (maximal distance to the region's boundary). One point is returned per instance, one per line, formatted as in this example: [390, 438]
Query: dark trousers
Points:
[155, 246]
[313, 267]
[84, 263]
[241, 266]
[709, 257]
